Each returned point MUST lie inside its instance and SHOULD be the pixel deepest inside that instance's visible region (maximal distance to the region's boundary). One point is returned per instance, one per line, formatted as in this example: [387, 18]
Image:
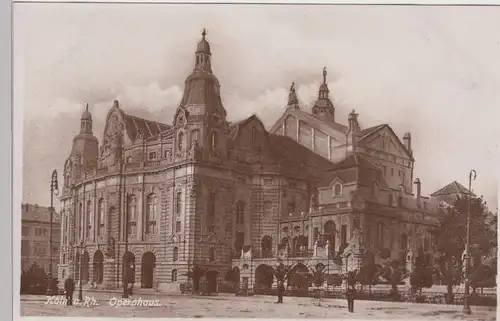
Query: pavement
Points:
[226, 305]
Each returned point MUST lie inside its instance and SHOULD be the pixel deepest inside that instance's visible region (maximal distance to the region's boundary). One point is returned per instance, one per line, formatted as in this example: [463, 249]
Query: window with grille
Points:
[132, 216]
[101, 218]
[151, 214]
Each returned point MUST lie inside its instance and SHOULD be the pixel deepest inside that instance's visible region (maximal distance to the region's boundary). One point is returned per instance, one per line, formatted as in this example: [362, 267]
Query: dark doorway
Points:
[128, 267]
[264, 276]
[212, 281]
[298, 278]
[85, 267]
[98, 263]
[329, 235]
[148, 265]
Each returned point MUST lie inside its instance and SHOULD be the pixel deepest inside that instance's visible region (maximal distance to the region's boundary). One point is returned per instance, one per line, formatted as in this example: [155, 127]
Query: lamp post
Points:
[126, 270]
[466, 309]
[53, 190]
[80, 289]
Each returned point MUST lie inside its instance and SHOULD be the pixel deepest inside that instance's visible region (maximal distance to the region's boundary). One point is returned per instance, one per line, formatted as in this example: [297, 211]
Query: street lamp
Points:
[466, 309]
[126, 271]
[53, 191]
[80, 289]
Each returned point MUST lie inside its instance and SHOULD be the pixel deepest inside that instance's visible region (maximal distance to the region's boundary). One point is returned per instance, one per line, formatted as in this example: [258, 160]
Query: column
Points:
[140, 215]
[91, 268]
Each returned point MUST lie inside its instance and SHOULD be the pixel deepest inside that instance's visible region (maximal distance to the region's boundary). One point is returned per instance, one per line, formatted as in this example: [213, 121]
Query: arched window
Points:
[380, 235]
[211, 254]
[180, 141]
[213, 141]
[176, 254]
[132, 217]
[195, 136]
[89, 218]
[101, 218]
[151, 214]
[337, 190]
[174, 275]
[64, 259]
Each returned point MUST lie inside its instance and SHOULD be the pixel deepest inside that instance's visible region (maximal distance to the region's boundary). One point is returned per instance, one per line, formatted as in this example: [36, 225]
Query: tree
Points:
[449, 238]
[394, 273]
[422, 274]
[482, 276]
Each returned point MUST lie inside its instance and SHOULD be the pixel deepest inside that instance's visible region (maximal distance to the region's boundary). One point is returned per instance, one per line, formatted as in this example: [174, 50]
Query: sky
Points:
[431, 71]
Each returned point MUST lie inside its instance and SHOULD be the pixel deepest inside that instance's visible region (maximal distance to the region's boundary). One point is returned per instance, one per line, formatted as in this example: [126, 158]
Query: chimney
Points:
[419, 191]
[407, 141]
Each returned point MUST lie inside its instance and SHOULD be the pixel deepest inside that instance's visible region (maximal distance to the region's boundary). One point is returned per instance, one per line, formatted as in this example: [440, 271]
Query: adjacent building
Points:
[35, 237]
[206, 192]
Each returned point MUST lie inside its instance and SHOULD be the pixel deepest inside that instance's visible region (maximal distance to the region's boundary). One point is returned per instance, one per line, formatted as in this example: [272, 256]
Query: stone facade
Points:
[219, 195]
[35, 235]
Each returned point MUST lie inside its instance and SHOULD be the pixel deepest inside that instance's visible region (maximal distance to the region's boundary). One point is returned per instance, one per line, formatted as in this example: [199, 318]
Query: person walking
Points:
[281, 291]
[69, 288]
[350, 295]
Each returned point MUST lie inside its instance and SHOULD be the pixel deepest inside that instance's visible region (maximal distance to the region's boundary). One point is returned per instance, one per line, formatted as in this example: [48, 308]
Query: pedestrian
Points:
[69, 288]
[281, 291]
[350, 295]
[130, 279]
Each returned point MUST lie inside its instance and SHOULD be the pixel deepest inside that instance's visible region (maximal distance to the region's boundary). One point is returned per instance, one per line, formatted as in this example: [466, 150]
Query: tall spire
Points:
[86, 121]
[323, 108]
[292, 97]
[203, 54]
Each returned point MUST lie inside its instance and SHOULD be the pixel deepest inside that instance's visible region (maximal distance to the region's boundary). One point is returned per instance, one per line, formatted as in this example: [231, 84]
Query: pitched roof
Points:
[149, 128]
[355, 168]
[288, 149]
[452, 188]
[367, 132]
[30, 212]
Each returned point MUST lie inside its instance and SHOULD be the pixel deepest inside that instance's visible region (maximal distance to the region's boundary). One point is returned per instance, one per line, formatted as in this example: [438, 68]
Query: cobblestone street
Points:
[106, 305]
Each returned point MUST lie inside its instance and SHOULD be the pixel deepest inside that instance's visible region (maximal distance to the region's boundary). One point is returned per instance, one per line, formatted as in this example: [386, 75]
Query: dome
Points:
[203, 45]
[86, 114]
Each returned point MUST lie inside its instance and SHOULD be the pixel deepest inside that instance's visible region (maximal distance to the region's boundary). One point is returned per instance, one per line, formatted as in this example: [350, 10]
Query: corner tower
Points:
[323, 108]
[201, 117]
[85, 148]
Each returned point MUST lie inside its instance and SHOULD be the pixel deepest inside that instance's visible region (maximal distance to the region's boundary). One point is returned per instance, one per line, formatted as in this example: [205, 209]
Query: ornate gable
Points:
[384, 139]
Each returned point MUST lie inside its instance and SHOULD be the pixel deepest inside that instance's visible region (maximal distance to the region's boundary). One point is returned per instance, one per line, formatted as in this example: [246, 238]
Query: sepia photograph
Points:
[256, 160]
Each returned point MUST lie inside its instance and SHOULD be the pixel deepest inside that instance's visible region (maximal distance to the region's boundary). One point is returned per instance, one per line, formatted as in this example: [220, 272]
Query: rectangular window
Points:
[132, 228]
[384, 169]
[392, 171]
[152, 155]
[343, 234]
[151, 229]
[177, 226]
[178, 203]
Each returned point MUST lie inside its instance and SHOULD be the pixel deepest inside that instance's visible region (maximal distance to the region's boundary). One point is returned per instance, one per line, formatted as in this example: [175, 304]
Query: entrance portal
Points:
[212, 281]
[147, 271]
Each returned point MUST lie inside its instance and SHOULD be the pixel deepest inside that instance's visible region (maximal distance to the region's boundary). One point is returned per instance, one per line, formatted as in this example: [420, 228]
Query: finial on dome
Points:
[324, 75]
[87, 107]
[292, 88]
[204, 33]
